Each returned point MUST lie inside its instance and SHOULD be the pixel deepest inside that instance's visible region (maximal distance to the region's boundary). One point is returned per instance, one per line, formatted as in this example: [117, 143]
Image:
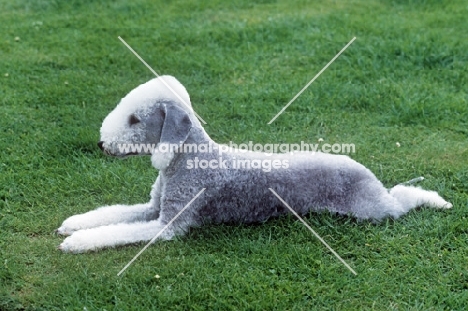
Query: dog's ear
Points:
[175, 130]
[176, 126]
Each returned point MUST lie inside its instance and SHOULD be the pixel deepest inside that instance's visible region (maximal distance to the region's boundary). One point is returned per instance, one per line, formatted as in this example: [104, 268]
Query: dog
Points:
[159, 114]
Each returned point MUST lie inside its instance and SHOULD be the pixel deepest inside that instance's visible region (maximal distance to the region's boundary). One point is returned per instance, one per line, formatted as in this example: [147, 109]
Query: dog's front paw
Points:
[447, 205]
[72, 224]
[78, 242]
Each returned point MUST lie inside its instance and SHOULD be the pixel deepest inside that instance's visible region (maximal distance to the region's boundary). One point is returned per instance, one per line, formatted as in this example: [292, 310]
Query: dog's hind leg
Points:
[411, 197]
[378, 202]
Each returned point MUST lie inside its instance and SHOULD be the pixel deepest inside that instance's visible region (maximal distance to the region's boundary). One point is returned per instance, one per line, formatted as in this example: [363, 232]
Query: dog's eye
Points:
[133, 120]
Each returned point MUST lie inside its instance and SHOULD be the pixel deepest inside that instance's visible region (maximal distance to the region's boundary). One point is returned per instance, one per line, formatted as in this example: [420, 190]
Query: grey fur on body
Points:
[151, 114]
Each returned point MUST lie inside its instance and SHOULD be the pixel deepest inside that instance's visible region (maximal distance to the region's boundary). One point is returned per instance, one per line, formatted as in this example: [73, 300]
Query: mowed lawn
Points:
[399, 93]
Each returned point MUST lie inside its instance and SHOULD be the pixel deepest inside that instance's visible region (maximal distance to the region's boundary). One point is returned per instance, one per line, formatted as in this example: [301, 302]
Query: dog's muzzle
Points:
[101, 146]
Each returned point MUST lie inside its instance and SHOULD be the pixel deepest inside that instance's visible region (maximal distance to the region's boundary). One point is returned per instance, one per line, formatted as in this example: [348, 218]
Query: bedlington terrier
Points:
[158, 120]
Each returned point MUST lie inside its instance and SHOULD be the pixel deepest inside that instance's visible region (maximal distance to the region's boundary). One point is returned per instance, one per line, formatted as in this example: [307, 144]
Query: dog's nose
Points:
[100, 144]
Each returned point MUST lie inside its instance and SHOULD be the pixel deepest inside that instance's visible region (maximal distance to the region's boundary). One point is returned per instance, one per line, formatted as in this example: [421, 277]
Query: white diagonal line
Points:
[164, 82]
[413, 181]
[315, 233]
[311, 81]
[159, 233]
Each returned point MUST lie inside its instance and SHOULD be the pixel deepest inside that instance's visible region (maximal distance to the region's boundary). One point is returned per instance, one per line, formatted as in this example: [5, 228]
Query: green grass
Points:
[403, 80]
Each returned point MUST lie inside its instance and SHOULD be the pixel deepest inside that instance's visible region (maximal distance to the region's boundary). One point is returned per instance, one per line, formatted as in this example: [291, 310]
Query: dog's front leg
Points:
[170, 223]
[114, 214]
[113, 235]
[108, 215]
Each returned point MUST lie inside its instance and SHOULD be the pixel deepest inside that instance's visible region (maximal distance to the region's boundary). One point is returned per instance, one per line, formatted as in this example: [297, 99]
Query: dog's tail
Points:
[410, 197]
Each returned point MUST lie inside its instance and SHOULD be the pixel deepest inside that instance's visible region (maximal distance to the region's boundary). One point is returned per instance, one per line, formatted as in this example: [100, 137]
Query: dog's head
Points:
[150, 116]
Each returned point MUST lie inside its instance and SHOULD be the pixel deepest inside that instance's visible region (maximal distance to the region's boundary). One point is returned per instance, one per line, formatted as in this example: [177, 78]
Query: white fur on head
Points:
[116, 130]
